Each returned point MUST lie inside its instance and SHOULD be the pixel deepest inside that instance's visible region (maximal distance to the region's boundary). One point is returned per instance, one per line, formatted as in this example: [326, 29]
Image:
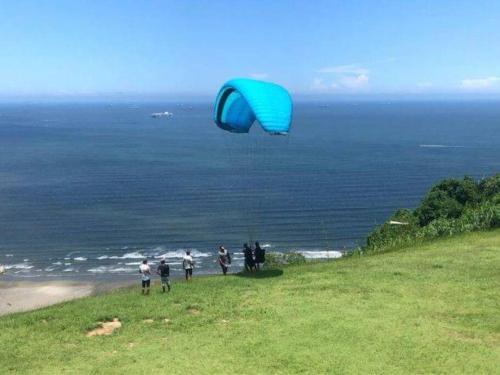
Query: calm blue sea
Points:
[91, 189]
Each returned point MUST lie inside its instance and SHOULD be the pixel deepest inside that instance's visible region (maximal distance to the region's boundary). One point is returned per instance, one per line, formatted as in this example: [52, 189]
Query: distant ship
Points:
[162, 114]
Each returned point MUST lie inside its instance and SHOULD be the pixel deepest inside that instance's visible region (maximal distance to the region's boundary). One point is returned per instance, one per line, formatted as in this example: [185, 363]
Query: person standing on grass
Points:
[188, 265]
[164, 272]
[260, 255]
[145, 272]
[224, 259]
[249, 262]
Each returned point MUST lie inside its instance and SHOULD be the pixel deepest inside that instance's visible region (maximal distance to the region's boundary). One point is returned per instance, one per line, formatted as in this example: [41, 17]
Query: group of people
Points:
[254, 260]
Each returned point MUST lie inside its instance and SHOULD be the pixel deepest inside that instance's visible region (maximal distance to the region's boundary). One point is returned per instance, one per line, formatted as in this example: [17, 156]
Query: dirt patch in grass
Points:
[193, 310]
[460, 336]
[105, 329]
[491, 340]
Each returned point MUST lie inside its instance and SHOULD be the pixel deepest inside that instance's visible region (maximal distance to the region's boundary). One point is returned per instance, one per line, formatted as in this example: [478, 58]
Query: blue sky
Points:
[323, 48]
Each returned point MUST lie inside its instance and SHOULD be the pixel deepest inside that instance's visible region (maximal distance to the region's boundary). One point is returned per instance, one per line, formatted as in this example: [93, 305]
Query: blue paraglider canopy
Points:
[242, 101]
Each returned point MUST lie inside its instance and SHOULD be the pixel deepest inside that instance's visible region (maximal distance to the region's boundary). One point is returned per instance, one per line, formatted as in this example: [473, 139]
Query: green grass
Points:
[433, 308]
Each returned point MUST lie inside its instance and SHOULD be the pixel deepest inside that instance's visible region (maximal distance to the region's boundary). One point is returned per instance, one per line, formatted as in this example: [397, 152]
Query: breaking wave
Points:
[321, 254]
[111, 269]
[19, 266]
[441, 146]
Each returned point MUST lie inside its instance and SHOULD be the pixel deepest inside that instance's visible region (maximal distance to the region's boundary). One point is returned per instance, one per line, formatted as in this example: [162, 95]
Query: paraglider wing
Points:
[241, 101]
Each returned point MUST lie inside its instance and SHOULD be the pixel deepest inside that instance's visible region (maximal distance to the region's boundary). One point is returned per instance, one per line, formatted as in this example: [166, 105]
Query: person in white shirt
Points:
[145, 276]
[188, 265]
[224, 259]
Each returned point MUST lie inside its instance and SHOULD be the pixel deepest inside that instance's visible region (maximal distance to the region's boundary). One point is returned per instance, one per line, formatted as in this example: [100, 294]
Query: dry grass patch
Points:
[105, 329]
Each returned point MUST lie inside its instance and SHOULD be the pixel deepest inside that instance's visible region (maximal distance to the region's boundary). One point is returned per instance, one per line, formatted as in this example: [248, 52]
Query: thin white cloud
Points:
[318, 84]
[259, 75]
[348, 77]
[355, 82]
[339, 78]
[479, 84]
[344, 69]
[323, 86]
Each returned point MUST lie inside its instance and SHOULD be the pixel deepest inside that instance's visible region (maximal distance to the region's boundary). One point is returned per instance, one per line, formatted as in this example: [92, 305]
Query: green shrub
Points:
[451, 207]
[438, 204]
[295, 258]
[278, 260]
[490, 187]
[273, 260]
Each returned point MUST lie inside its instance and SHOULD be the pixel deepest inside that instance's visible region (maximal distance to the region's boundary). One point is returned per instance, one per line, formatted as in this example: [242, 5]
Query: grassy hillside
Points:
[430, 309]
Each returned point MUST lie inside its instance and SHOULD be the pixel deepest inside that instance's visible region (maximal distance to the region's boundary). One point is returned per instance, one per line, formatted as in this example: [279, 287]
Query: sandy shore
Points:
[24, 296]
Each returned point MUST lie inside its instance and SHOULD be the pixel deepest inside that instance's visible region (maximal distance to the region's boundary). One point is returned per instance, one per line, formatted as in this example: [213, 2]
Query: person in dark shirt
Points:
[164, 272]
[260, 255]
[249, 262]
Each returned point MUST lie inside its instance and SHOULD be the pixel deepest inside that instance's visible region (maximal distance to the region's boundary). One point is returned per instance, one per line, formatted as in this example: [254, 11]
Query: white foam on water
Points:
[69, 269]
[57, 264]
[441, 146]
[67, 264]
[158, 252]
[133, 264]
[80, 259]
[132, 255]
[49, 269]
[9, 255]
[159, 249]
[111, 269]
[18, 266]
[181, 252]
[266, 245]
[321, 254]
[26, 260]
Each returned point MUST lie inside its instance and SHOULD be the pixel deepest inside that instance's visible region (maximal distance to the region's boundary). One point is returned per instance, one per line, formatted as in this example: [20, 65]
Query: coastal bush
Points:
[489, 188]
[275, 260]
[451, 207]
[448, 199]
[294, 258]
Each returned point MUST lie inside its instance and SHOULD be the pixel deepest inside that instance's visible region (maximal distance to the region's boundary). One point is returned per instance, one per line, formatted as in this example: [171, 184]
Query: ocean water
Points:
[89, 190]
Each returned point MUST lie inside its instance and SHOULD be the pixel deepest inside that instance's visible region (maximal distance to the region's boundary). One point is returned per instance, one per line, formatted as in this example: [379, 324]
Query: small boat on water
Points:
[162, 114]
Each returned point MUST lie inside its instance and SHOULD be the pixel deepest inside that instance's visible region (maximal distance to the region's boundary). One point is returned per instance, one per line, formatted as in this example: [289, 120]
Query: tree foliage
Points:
[452, 206]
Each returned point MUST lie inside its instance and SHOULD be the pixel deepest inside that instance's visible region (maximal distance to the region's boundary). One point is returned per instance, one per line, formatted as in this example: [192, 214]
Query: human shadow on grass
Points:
[263, 274]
